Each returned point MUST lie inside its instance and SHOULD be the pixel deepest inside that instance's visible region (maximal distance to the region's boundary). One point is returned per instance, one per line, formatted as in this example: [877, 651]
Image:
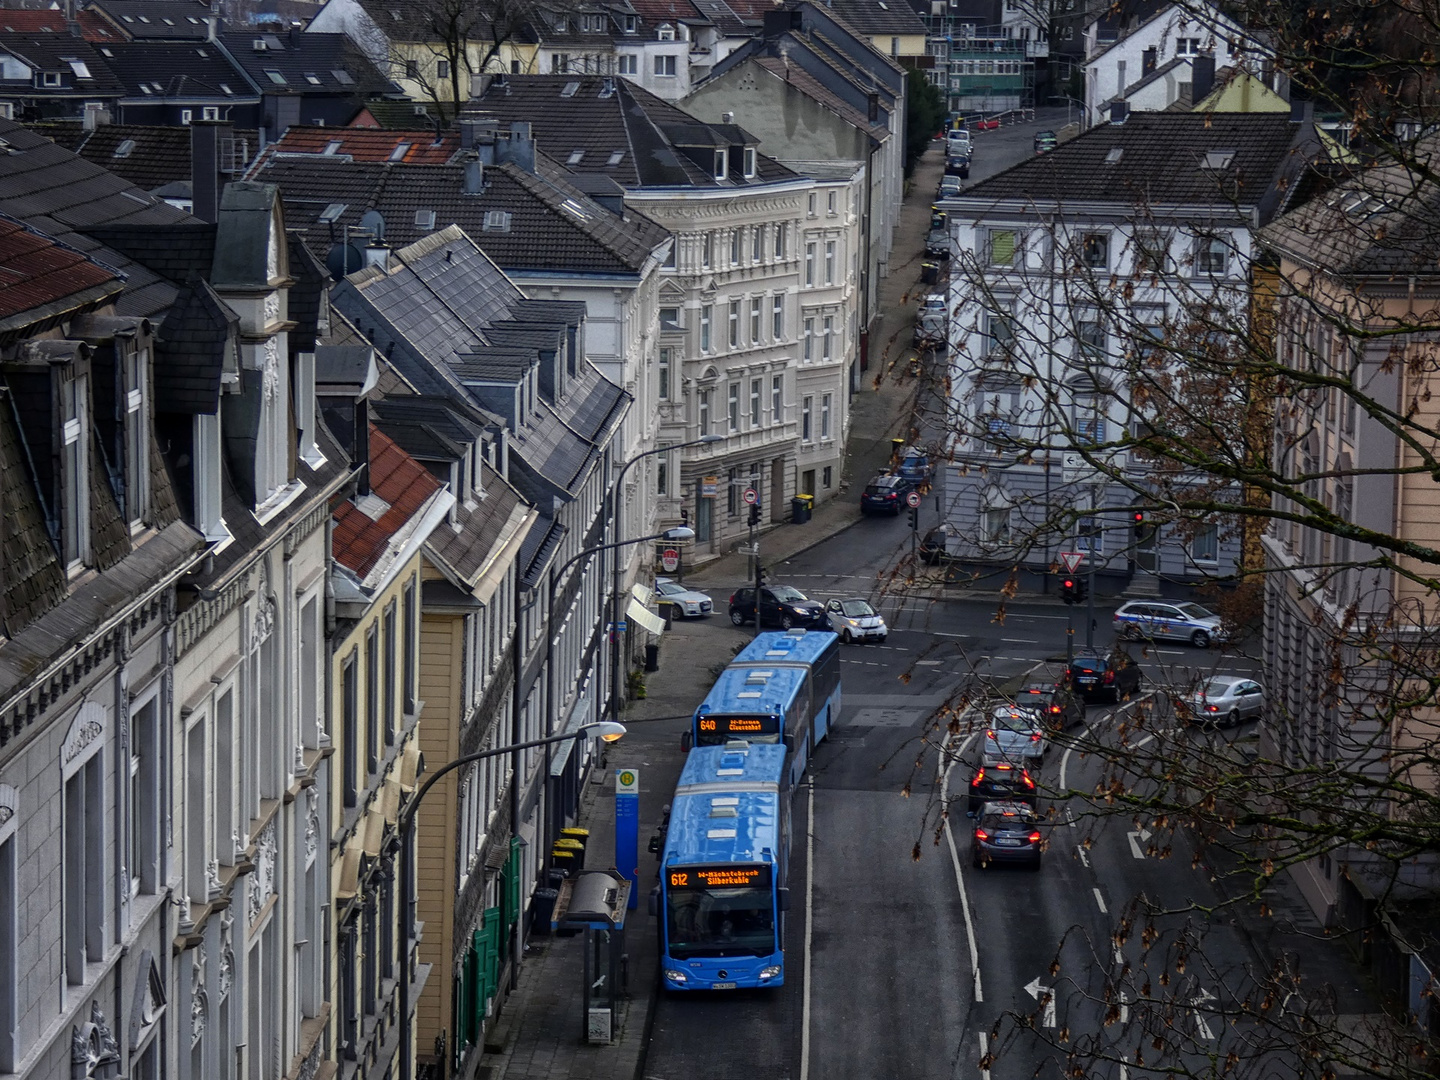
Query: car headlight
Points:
[770, 972]
[676, 976]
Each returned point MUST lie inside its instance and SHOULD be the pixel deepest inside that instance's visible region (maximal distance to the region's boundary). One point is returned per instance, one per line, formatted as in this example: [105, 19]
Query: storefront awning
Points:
[644, 617]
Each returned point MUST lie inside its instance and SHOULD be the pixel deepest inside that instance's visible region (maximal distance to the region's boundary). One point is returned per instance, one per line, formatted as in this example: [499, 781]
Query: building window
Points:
[721, 171]
[807, 346]
[703, 405]
[707, 248]
[1212, 255]
[996, 524]
[755, 321]
[810, 205]
[999, 332]
[1090, 339]
[705, 313]
[412, 69]
[824, 416]
[734, 324]
[1003, 245]
[1152, 251]
[1095, 250]
[10, 1049]
[809, 265]
[749, 166]
[732, 492]
[670, 318]
[755, 388]
[83, 895]
[664, 374]
[732, 407]
[807, 406]
[408, 644]
[75, 476]
[777, 319]
[828, 476]
[143, 856]
[1089, 536]
[662, 473]
[442, 69]
[560, 63]
[1090, 420]
[391, 645]
[829, 262]
[665, 66]
[780, 240]
[1206, 545]
[830, 203]
[777, 399]
[757, 243]
[349, 728]
[827, 337]
[372, 701]
[734, 247]
[137, 436]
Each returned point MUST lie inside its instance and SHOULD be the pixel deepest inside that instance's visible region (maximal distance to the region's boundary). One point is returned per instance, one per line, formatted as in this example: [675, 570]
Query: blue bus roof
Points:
[753, 690]
[795, 646]
[727, 806]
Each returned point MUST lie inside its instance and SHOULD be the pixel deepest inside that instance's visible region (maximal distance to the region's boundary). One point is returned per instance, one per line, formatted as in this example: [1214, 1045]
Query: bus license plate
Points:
[722, 986]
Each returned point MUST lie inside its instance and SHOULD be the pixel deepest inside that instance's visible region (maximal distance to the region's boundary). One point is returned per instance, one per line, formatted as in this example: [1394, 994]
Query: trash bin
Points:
[567, 862]
[800, 509]
[930, 273]
[542, 910]
[574, 848]
[652, 657]
[576, 832]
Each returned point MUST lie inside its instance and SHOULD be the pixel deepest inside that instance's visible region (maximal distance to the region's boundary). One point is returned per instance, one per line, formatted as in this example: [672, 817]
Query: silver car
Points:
[687, 602]
[1015, 735]
[855, 620]
[1226, 699]
[1179, 620]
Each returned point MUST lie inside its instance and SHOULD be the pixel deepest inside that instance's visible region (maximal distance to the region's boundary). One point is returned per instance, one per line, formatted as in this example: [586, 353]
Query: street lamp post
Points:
[615, 568]
[605, 730]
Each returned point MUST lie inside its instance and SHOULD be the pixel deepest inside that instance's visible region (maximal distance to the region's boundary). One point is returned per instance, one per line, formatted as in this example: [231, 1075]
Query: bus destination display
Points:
[719, 877]
[741, 726]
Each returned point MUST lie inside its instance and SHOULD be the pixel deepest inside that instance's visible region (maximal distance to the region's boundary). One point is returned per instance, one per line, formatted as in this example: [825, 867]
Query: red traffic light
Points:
[1139, 517]
[1069, 584]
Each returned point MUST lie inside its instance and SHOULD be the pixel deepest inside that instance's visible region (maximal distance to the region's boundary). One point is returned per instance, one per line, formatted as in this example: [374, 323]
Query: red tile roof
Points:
[92, 27]
[370, 144]
[398, 479]
[35, 271]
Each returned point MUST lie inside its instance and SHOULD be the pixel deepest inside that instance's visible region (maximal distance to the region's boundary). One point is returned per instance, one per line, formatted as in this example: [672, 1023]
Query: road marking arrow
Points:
[1202, 1029]
[1135, 838]
[1036, 991]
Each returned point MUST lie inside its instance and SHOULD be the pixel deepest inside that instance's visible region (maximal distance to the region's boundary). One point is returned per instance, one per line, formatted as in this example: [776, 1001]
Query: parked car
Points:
[913, 465]
[686, 602]
[856, 620]
[885, 494]
[780, 605]
[931, 324]
[1015, 735]
[939, 544]
[958, 165]
[1226, 699]
[937, 244]
[950, 186]
[1001, 782]
[957, 141]
[1164, 619]
[1045, 141]
[1054, 702]
[1103, 678]
[1006, 832]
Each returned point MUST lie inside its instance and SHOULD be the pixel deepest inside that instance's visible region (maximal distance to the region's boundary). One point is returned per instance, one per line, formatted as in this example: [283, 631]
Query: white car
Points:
[1178, 620]
[855, 619]
[688, 602]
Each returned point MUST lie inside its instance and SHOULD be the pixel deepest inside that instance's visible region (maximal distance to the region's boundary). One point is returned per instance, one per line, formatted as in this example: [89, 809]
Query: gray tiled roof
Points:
[180, 69]
[157, 19]
[466, 549]
[538, 549]
[190, 358]
[148, 156]
[51, 53]
[876, 17]
[179, 252]
[427, 428]
[308, 62]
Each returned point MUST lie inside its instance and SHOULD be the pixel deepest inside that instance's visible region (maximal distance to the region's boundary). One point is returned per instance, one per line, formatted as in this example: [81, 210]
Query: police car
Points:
[1160, 619]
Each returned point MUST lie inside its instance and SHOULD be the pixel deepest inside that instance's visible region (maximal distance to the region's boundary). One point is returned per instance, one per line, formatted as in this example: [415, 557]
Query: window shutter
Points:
[1002, 248]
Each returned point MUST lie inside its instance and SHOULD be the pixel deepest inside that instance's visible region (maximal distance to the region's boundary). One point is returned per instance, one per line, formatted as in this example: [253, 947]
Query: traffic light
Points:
[1081, 590]
[754, 514]
[1068, 590]
[914, 517]
[1139, 524]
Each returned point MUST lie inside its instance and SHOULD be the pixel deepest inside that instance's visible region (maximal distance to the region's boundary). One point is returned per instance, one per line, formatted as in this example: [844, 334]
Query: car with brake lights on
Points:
[1179, 621]
[1225, 699]
[1006, 832]
[1054, 703]
[780, 605]
[687, 602]
[885, 494]
[1001, 781]
[855, 619]
[1015, 735]
[1103, 678]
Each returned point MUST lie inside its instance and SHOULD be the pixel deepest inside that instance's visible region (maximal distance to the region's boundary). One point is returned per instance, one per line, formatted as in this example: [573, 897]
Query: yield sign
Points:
[1071, 560]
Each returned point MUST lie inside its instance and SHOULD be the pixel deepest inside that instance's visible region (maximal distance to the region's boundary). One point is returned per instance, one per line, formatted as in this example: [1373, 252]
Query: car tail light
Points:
[981, 834]
[1212, 708]
[1109, 676]
[990, 734]
[1055, 709]
[1034, 736]
[1035, 837]
[979, 776]
[1025, 779]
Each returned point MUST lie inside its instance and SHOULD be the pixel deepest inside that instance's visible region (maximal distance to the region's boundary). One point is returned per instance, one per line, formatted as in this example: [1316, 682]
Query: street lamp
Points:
[604, 730]
[615, 569]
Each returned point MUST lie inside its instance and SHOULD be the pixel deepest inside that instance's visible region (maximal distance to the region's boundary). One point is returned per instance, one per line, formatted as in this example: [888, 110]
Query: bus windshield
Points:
[719, 921]
[716, 729]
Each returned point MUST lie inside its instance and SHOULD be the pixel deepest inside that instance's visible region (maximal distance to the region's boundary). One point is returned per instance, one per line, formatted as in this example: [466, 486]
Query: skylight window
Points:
[167, 20]
[1218, 159]
[145, 18]
[78, 67]
[398, 154]
[331, 213]
[497, 221]
[1114, 156]
[333, 146]
[124, 149]
[128, 18]
[574, 209]
[158, 85]
[225, 89]
[342, 77]
[106, 52]
[616, 157]
[575, 156]
[145, 89]
[570, 90]
[425, 219]
[192, 20]
[201, 52]
[312, 78]
[275, 77]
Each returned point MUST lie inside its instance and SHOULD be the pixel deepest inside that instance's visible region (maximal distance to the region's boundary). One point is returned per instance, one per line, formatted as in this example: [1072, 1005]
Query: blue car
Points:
[913, 466]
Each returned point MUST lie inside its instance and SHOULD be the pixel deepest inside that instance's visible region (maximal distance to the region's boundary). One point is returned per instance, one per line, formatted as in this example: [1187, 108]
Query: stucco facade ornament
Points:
[272, 308]
[262, 878]
[93, 1049]
[88, 725]
[238, 844]
[270, 368]
[264, 623]
[199, 1014]
[312, 828]
[212, 879]
[182, 913]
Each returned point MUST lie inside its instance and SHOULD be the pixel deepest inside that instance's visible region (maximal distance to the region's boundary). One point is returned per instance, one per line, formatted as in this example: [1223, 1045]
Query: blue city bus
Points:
[759, 705]
[723, 870]
[817, 652]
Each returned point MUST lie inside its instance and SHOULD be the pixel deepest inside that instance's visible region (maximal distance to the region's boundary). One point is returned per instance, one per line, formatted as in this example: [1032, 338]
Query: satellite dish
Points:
[373, 223]
[344, 259]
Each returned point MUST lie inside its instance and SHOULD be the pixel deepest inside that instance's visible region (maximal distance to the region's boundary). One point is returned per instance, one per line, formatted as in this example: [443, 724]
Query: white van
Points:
[957, 141]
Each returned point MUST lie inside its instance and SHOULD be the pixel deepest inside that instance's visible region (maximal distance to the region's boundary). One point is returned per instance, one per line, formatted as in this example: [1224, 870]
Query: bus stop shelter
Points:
[596, 901]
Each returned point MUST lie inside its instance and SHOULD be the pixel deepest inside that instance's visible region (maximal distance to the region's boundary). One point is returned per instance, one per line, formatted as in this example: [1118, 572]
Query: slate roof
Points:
[181, 70]
[624, 131]
[310, 63]
[805, 83]
[387, 114]
[156, 19]
[91, 25]
[876, 17]
[179, 253]
[1162, 162]
[42, 279]
[421, 146]
[358, 540]
[483, 527]
[53, 52]
[197, 338]
[155, 155]
[1383, 223]
[551, 225]
[63, 196]
[33, 581]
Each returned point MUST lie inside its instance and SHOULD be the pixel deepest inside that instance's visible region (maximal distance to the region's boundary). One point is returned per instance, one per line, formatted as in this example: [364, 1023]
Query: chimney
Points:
[516, 148]
[474, 174]
[1119, 110]
[1202, 77]
[205, 137]
[377, 253]
[1302, 112]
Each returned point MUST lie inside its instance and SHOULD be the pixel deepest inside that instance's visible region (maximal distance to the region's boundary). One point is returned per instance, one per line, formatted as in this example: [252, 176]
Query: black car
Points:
[1055, 703]
[1006, 832]
[939, 544]
[780, 605]
[1045, 141]
[1000, 782]
[937, 244]
[957, 165]
[885, 494]
[1104, 678]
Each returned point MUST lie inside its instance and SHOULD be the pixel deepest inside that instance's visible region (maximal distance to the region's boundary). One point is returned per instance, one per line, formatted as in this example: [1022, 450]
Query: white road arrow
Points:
[1036, 991]
[1135, 838]
[1202, 1029]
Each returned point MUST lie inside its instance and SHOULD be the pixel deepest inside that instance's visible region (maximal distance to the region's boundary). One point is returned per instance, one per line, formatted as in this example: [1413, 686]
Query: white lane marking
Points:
[1119, 956]
[809, 932]
[1135, 838]
[955, 862]
[984, 1053]
[1036, 991]
[1084, 857]
[1202, 1029]
[1098, 898]
[1069, 818]
[928, 663]
[1124, 1008]
[1019, 641]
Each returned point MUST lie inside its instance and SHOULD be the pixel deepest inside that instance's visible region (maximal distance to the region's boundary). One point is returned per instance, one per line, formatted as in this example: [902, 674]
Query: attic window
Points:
[628, 23]
[158, 85]
[394, 14]
[192, 20]
[574, 209]
[721, 165]
[225, 89]
[665, 32]
[342, 77]
[275, 77]
[78, 67]
[167, 20]
[50, 78]
[497, 221]
[128, 18]
[201, 52]
[749, 163]
[398, 154]
[425, 219]
[575, 156]
[145, 89]
[616, 157]
[1217, 159]
[312, 78]
[333, 146]
[1114, 155]
[144, 18]
[331, 213]
[106, 52]
[570, 89]
[124, 149]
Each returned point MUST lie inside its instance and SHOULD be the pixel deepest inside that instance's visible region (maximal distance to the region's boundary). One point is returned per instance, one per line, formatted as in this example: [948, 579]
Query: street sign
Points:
[750, 496]
[912, 500]
[708, 484]
[1071, 560]
[669, 560]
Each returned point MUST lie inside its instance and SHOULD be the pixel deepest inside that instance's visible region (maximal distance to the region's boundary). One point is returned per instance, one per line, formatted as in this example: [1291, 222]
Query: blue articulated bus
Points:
[762, 706]
[723, 870]
[817, 652]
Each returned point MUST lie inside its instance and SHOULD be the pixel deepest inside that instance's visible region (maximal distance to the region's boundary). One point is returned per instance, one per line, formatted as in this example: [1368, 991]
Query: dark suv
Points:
[1104, 678]
[1055, 704]
[885, 494]
[780, 605]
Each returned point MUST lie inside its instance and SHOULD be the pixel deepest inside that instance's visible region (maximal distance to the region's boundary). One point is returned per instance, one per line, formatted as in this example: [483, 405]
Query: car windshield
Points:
[669, 588]
[855, 609]
[1005, 720]
[914, 461]
[1034, 699]
[1216, 686]
[788, 595]
[879, 488]
[1012, 817]
[1195, 611]
[1088, 663]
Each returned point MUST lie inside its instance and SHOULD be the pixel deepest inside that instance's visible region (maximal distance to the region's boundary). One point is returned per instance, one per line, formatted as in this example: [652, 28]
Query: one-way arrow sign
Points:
[1036, 991]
